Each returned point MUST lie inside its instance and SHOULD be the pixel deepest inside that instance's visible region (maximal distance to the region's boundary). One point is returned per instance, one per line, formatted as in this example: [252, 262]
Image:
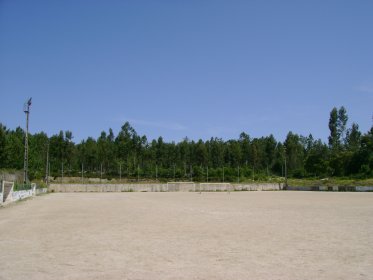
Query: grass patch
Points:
[330, 182]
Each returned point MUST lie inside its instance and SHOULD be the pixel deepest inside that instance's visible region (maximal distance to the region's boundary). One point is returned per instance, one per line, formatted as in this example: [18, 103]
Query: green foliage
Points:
[3, 155]
[349, 153]
[294, 154]
[21, 187]
[333, 127]
[353, 138]
[337, 126]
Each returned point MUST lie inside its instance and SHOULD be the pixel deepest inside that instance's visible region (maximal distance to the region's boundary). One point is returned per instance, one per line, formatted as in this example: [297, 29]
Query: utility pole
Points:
[238, 177]
[101, 173]
[286, 171]
[156, 172]
[207, 174]
[26, 109]
[62, 173]
[47, 166]
[223, 174]
[138, 172]
[120, 171]
[191, 173]
[174, 173]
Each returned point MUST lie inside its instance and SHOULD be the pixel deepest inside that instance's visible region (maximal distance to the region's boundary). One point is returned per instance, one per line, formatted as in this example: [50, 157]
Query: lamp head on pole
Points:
[26, 106]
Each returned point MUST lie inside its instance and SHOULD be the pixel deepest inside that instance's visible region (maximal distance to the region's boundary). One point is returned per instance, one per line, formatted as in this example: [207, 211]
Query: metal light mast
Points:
[47, 166]
[26, 109]
[286, 170]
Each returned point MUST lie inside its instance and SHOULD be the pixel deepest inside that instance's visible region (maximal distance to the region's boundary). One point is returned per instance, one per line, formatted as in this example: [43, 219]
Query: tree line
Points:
[348, 153]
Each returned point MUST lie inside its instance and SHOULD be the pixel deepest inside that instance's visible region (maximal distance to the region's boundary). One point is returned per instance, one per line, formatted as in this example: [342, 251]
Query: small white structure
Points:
[8, 195]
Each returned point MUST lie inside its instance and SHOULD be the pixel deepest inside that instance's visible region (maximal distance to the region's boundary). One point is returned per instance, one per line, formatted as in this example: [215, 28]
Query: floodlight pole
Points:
[120, 172]
[282, 170]
[286, 174]
[62, 173]
[101, 173]
[174, 173]
[191, 173]
[223, 175]
[286, 171]
[238, 174]
[138, 172]
[47, 166]
[26, 109]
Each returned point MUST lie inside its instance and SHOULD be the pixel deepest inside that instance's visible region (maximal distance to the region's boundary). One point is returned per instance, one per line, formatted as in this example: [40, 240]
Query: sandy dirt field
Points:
[244, 235]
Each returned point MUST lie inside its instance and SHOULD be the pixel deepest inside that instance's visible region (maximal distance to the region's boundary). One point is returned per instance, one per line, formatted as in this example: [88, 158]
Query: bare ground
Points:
[244, 235]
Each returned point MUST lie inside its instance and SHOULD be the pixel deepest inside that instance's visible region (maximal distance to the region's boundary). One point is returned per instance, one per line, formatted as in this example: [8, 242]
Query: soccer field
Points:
[242, 235]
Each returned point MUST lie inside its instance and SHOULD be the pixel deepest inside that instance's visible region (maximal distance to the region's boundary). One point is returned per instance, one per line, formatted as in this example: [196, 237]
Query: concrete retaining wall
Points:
[11, 176]
[18, 195]
[211, 187]
[301, 188]
[181, 187]
[332, 188]
[364, 189]
[258, 187]
[186, 187]
[41, 191]
[107, 187]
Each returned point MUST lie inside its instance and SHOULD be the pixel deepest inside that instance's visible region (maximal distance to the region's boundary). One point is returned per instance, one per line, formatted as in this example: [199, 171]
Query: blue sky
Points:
[186, 68]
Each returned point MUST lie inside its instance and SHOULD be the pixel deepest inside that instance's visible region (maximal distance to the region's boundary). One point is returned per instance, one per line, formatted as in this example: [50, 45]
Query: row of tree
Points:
[129, 155]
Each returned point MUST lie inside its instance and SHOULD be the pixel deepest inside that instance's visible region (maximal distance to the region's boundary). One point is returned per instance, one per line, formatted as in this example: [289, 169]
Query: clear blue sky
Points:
[186, 68]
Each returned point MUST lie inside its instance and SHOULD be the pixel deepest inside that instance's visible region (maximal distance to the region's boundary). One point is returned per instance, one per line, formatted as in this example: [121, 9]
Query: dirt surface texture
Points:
[242, 235]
